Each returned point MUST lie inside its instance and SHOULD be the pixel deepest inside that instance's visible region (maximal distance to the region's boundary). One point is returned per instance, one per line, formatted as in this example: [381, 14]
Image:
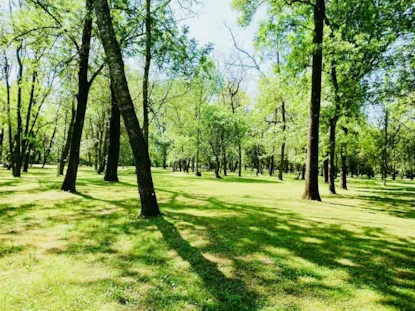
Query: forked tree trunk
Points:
[111, 173]
[82, 99]
[149, 206]
[311, 191]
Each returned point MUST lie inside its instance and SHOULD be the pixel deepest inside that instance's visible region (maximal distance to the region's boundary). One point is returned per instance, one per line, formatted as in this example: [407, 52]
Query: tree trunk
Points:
[27, 159]
[332, 167]
[343, 169]
[111, 173]
[284, 126]
[104, 152]
[82, 99]
[18, 136]
[326, 171]
[147, 71]
[311, 191]
[271, 165]
[303, 169]
[240, 160]
[225, 163]
[281, 167]
[149, 206]
[217, 166]
[65, 151]
[8, 108]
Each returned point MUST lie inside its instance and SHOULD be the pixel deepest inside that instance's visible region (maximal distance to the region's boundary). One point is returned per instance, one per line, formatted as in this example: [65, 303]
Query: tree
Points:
[114, 144]
[149, 206]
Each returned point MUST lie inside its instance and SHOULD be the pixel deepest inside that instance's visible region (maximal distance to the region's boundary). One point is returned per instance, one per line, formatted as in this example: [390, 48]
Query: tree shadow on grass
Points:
[372, 257]
[232, 294]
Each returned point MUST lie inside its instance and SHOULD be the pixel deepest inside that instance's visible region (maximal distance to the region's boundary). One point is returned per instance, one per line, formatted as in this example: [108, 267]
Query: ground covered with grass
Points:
[232, 244]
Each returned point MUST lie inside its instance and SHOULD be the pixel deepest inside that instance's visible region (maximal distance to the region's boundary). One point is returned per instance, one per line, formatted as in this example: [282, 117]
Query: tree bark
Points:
[27, 159]
[332, 149]
[284, 126]
[18, 136]
[239, 159]
[149, 206]
[82, 99]
[326, 171]
[217, 165]
[147, 71]
[224, 162]
[343, 169]
[104, 152]
[111, 173]
[8, 108]
[67, 146]
[311, 191]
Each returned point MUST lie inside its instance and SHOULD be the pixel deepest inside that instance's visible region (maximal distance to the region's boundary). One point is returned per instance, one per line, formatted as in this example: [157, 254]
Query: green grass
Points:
[230, 244]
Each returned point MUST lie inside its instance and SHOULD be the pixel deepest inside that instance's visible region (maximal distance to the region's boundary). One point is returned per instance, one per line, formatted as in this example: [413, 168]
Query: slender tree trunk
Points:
[147, 71]
[343, 169]
[67, 146]
[240, 159]
[385, 147]
[225, 163]
[271, 164]
[111, 173]
[217, 166]
[29, 113]
[27, 158]
[284, 126]
[1, 144]
[281, 168]
[326, 171]
[49, 148]
[149, 206]
[104, 152]
[18, 136]
[332, 167]
[82, 99]
[311, 191]
[8, 108]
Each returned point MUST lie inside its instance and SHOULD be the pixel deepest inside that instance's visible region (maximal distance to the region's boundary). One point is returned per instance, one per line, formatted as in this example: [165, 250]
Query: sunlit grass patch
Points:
[236, 244]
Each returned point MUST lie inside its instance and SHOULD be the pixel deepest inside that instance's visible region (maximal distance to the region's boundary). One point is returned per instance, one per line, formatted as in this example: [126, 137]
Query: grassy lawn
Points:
[233, 244]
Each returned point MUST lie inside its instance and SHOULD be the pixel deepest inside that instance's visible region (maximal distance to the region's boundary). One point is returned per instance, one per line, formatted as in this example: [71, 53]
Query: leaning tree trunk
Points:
[311, 191]
[147, 71]
[104, 152]
[149, 206]
[82, 99]
[111, 173]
